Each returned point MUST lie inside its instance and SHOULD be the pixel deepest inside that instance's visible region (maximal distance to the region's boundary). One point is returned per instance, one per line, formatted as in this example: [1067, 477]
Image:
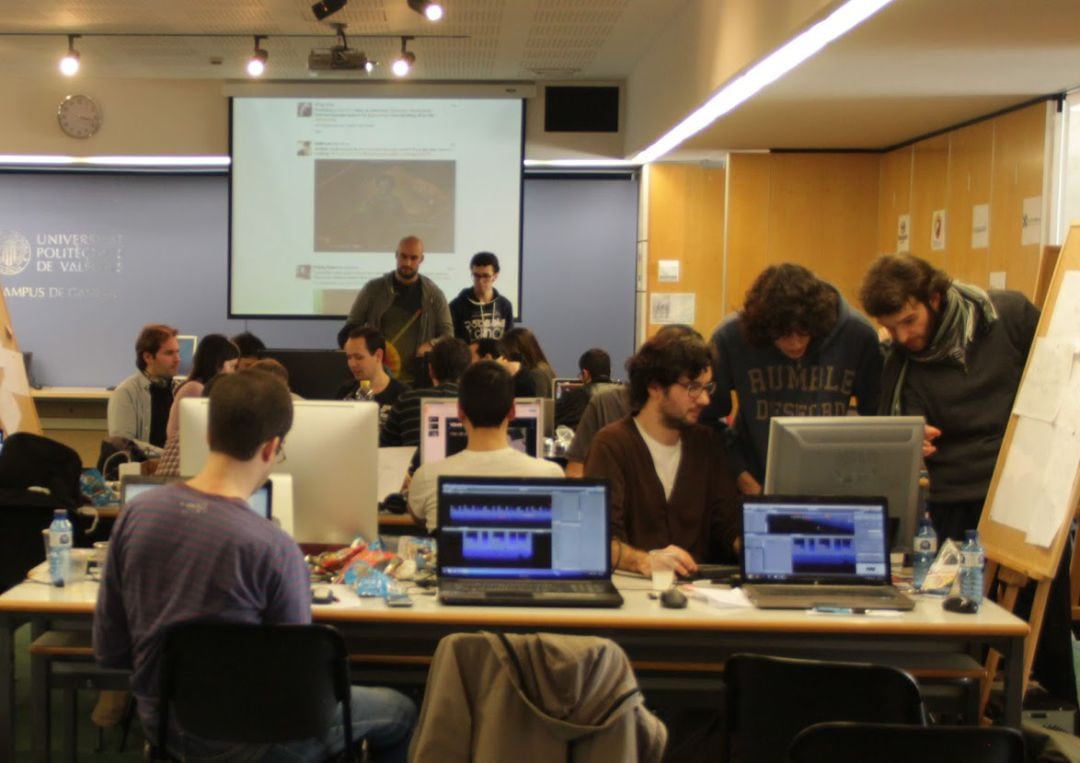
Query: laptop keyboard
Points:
[868, 592]
[529, 587]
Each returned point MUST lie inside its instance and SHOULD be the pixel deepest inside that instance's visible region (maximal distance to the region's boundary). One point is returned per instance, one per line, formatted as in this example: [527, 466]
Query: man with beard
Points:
[671, 488]
[409, 309]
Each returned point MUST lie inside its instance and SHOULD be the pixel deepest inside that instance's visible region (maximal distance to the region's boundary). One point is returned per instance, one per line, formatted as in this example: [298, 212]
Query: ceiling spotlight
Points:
[256, 65]
[69, 64]
[403, 63]
[429, 8]
[326, 8]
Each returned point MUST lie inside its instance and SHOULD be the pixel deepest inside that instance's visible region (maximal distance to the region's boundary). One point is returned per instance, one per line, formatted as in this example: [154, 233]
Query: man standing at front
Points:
[479, 311]
[139, 406]
[671, 488]
[408, 308]
[795, 349]
[195, 550]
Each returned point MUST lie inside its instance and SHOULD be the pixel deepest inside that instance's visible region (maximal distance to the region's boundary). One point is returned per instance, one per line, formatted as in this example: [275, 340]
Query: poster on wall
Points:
[1031, 222]
[980, 226]
[937, 230]
[672, 308]
[903, 234]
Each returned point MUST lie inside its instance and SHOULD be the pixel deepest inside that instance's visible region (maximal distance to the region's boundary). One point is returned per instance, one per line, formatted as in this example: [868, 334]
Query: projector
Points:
[339, 58]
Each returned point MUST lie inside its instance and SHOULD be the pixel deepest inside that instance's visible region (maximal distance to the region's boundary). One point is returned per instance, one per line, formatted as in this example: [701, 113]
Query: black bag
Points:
[35, 470]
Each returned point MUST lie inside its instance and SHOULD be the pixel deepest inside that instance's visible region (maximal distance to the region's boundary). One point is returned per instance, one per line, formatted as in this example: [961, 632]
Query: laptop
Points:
[261, 501]
[808, 552]
[522, 541]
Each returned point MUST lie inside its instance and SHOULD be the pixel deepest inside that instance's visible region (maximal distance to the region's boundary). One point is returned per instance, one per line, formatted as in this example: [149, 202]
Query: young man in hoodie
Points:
[795, 349]
[479, 311]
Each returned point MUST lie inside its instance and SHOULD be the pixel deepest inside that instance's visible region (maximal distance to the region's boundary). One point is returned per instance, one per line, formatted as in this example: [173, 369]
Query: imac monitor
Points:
[850, 455]
[187, 353]
[313, 374]
[331, 453]
[442, 433]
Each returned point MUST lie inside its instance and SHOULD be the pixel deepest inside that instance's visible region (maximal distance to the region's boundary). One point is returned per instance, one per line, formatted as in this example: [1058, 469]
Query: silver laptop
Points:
[811, 552]
[525, 542]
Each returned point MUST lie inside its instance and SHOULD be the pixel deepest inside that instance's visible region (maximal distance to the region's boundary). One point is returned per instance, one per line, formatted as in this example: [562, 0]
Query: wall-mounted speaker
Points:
[581, 109]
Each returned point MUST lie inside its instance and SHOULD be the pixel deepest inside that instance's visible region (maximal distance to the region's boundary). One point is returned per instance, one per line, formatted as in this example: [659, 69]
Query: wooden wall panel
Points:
[748, 225]
[894, 196]
[1019, 140]
[929, 192]
[969, 184]
[686, 223]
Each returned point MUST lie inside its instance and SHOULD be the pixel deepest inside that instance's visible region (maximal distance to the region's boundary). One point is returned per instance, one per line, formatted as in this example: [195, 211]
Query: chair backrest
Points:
[891, 743]
[768, 700]
[20, 529]
[254, 683]
[30, 460]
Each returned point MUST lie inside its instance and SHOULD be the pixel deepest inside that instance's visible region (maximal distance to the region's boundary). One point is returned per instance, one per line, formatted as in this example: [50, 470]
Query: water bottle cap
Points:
[59, 512]
[971, 534]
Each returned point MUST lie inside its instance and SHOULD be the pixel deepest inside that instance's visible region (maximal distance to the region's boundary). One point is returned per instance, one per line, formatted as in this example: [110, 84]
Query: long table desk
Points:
[697, 638]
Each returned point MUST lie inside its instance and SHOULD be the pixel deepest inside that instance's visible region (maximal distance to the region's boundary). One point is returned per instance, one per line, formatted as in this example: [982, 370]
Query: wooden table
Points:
[684, 642]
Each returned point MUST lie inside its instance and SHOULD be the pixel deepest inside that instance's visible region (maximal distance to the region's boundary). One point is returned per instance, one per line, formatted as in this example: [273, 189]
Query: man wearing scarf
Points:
[957, 356]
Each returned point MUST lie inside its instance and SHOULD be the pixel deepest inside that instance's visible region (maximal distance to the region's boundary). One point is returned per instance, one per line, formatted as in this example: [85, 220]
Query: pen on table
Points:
[829, 610]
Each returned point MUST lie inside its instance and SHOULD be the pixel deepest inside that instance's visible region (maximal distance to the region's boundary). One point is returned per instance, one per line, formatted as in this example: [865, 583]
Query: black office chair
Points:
[891, 743]
[254, 684]
[769, 700]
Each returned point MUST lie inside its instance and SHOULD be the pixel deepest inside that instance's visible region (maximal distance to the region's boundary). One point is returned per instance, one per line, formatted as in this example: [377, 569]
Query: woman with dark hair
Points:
[216, 354]
[521, 345]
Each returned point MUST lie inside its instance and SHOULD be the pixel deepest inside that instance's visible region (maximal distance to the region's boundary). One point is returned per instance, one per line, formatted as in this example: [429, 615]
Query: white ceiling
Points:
[916, 67]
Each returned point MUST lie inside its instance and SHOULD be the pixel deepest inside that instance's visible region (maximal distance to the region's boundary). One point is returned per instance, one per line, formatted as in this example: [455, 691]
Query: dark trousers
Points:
[1053, 666]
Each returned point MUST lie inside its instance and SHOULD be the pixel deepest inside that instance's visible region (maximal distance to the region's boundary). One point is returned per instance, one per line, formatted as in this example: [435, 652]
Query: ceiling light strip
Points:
[55, 160]
[778, 63]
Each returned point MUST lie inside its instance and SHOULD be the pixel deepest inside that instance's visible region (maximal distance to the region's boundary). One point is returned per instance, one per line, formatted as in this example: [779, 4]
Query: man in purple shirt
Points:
[196, 550]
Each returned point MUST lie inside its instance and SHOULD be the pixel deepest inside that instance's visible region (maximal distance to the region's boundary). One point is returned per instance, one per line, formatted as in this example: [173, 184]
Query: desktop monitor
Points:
[187, 353]
[442, 434]
[850, 455]
[313, 374]
[331, 453]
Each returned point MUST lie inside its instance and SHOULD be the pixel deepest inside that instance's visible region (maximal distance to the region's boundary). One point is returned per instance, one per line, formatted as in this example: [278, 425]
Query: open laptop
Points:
[261, 501]
[525, 542]
[804, 552]
[442, 433]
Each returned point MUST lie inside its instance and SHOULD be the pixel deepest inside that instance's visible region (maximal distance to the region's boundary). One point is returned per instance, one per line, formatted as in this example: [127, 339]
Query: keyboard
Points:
[822, 591]
[527, 586]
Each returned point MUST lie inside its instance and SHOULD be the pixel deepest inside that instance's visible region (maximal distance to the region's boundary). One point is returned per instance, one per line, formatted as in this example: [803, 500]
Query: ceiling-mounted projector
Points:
[339, 58]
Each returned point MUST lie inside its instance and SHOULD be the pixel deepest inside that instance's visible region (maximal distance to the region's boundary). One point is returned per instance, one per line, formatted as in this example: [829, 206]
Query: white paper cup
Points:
[663, 570]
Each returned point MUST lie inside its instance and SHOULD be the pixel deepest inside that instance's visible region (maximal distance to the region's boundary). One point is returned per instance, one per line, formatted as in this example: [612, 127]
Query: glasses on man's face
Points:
[279, 454]
[483, 276]
[694, 389]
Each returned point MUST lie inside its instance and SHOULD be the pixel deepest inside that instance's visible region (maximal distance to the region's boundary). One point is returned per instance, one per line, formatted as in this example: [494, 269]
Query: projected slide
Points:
[323, 189]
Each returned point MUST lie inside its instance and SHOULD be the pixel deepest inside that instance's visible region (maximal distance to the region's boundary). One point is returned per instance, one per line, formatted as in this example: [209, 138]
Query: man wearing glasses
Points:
[795, 349]
[671, 488]
[479, 311]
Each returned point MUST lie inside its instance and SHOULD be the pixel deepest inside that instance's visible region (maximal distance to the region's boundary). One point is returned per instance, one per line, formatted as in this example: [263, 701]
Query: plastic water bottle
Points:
[60, 542]
[971, 567]
[925, 549]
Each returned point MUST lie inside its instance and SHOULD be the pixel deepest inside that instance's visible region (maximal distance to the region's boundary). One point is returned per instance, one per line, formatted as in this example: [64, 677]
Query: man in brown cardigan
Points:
[671, 487]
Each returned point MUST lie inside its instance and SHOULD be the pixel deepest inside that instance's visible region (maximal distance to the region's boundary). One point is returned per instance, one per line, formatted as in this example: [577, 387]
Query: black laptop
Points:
[523, 541]
[805, 552]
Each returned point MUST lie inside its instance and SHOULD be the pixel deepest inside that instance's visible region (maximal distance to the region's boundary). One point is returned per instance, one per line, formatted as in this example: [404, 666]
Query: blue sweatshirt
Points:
[845, 364]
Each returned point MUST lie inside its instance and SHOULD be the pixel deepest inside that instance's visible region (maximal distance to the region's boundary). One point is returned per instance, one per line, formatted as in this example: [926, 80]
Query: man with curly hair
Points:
[795, 349]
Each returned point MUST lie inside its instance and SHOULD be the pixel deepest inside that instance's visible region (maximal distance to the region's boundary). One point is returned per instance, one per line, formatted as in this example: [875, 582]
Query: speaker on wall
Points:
[581, 109]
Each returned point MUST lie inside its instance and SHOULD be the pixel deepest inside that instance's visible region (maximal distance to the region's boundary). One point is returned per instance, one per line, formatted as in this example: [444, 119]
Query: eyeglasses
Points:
[279, 454]
[482, 276]
[694, 389]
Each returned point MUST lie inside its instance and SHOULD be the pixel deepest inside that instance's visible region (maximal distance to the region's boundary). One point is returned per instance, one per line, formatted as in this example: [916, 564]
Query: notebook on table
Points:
[525, 542]
[804, 552]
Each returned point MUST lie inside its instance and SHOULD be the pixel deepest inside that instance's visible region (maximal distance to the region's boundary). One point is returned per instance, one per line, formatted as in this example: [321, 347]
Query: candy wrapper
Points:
[944, 569]
[419, 551]
[329, 565]
[370, 571]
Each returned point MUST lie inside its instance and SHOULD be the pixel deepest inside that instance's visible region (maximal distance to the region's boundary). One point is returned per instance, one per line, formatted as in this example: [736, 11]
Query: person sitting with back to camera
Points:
[494, 349]
[671, 488]
[521, 344]
[594, 370]
[486, 408]
[447, 361]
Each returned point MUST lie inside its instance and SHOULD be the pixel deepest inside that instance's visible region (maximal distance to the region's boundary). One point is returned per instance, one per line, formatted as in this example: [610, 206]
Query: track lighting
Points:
[256, 65]
[326, 8]
[69, 64]
[404, 62]
[430, 9]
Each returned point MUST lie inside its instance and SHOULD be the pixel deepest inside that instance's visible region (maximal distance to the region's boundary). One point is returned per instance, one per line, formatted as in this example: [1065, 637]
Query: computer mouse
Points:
[961, 605]
[673, 598]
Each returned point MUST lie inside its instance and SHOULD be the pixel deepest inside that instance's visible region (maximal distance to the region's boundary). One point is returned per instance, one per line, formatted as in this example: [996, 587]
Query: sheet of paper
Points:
[997, 279]
[14, 372]
[903, 234]
[937, 230]
[671, 308]
[1020, 487]
[724, 598]
[1047, 375]
[393, 464]
[980, 226]
[668, 271]
[10, 414]
[1060, 472]
[1031, 222]
[1065, 323]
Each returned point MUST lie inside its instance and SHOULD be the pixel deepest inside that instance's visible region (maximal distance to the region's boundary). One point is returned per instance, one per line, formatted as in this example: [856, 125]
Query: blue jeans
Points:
[384, 717]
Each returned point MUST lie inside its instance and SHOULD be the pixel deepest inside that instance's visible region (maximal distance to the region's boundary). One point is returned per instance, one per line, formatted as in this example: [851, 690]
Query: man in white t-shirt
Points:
[485, 407]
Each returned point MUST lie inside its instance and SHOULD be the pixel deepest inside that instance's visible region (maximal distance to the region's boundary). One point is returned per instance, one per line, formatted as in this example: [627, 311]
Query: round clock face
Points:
[79, 116]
